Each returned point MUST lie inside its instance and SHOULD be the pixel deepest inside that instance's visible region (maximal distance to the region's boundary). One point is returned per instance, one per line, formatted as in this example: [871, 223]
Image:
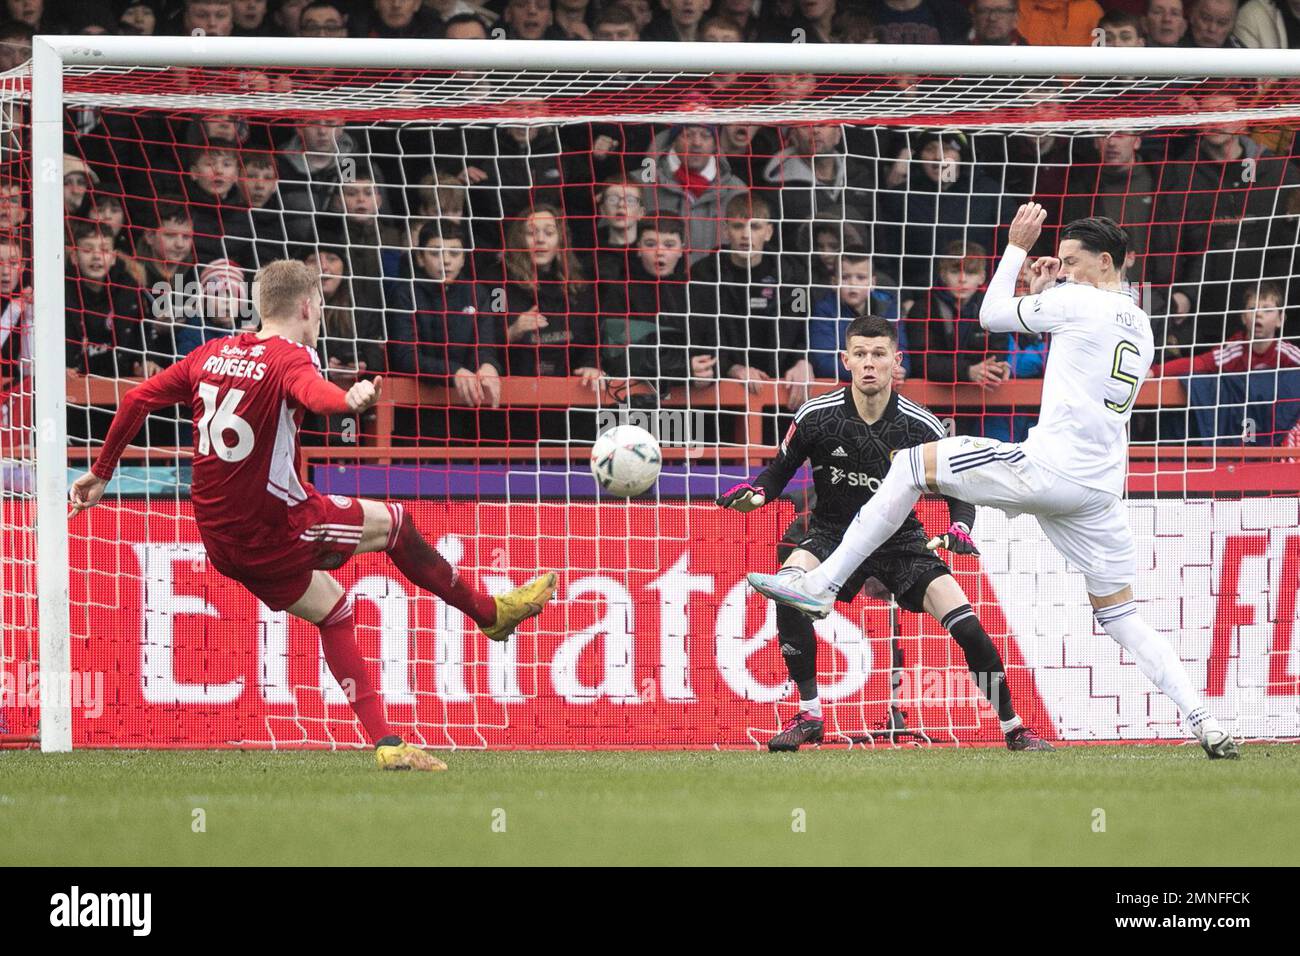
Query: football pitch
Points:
[1104, 805]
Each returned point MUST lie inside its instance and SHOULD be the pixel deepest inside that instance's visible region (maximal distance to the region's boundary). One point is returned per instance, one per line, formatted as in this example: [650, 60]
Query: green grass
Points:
[1163, 805]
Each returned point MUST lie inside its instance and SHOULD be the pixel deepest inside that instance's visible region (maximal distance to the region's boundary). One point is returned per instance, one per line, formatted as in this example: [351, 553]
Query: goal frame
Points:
[52, 54]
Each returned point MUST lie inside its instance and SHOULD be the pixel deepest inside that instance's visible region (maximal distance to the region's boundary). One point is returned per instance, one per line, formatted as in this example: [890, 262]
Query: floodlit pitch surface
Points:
[1118, 805]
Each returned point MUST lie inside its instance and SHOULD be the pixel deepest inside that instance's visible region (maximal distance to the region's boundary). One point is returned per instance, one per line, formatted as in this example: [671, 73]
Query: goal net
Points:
[531, 254]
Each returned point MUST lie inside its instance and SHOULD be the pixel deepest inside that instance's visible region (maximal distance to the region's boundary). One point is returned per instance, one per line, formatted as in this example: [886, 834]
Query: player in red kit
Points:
[264, 527]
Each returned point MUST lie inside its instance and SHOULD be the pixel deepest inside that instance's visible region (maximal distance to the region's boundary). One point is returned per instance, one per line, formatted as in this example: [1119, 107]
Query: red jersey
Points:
[1235, 355]
[247, 396]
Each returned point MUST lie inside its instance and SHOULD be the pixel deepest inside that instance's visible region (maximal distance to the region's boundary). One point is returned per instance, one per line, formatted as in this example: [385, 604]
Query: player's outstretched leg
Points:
[325, 605]
[423, 566]
[814, 593]
[1118, 616]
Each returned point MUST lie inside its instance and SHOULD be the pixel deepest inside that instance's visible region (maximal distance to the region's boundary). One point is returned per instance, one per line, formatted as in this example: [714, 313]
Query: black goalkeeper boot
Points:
[802, 728]
[1022, 738]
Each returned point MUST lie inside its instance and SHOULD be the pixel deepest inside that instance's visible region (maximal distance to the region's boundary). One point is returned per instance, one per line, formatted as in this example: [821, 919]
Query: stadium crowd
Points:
[669, 255]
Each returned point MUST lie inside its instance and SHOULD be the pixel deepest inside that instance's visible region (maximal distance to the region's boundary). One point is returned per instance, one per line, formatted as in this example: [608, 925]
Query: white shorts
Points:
[1087, 526]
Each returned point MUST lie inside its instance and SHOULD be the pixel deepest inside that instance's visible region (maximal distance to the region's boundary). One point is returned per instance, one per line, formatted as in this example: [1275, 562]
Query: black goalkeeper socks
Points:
[981, 657]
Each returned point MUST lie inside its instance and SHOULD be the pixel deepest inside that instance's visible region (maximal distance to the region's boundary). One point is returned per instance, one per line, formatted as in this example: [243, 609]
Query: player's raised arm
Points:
[1004, 311]
[771, 481]
[169, 387]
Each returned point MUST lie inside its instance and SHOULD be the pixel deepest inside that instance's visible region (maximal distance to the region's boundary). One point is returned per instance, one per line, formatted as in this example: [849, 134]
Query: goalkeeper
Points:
[850, 435]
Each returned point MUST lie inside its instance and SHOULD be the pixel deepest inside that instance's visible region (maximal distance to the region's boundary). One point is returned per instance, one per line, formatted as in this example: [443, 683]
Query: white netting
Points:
[656, 641]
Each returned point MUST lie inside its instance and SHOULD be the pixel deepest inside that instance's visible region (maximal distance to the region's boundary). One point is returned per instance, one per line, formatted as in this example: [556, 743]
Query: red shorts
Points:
[279, 574]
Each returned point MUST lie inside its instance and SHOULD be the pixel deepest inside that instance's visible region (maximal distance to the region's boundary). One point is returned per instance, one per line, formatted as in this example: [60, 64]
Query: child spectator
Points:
[13, 205]
[166, 261]
[761, 334]
[617, 23]
[620, 208]
[288, 17]
[311, 169]
[108, 208]
[834, 311]
[1256, 345]
[830, 236]
[102, 323]
[550, 313]
[260, 185]
[549, 305]
[948, 343]
[436, 328]
[645, 324]
[678, 20]
[352, 339]
[15, 313]
[78, 178]
[250, 19]
[139, 18]
[530, 20]
[217, 210]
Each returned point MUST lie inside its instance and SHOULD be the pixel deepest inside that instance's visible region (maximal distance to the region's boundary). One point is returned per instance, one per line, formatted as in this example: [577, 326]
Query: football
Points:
[625, 460]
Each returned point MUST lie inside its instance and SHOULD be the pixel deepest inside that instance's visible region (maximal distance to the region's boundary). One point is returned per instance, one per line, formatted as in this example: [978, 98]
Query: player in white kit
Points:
[1070, 470]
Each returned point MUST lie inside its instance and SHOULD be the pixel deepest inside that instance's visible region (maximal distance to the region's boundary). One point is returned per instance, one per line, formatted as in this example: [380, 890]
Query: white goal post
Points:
[533, 71]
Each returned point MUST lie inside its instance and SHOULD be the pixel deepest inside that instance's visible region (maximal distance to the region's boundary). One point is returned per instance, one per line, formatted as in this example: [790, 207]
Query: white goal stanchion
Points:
[873, 89]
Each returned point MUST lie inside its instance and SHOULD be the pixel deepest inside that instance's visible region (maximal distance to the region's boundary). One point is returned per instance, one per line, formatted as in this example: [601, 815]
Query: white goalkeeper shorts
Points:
[1087, 526]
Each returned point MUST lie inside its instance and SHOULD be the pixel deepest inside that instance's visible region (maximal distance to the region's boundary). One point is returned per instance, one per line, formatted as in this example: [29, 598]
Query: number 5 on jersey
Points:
[1117, 372]
[221, 418]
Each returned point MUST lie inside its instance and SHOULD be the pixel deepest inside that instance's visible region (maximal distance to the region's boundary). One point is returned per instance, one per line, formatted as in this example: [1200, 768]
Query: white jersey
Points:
[1100, 353]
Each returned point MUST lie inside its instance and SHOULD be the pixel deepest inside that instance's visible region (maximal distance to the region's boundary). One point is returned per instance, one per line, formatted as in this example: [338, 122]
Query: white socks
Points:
[874, 524]
[814, 706]
[1157, 660]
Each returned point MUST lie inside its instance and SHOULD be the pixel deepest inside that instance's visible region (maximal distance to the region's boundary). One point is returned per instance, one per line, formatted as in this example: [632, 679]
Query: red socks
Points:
[338, 638]
[427, 569]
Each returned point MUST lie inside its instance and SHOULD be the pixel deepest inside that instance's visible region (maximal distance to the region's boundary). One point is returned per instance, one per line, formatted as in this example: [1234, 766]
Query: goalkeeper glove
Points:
[743, 497]
[956, 539]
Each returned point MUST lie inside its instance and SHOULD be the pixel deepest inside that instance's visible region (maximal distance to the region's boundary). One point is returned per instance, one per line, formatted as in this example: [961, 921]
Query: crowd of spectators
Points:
[677, 256]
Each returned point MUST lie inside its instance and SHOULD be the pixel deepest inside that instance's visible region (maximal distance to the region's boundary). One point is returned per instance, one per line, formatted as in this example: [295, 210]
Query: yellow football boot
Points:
[393, 753]
[521, 604]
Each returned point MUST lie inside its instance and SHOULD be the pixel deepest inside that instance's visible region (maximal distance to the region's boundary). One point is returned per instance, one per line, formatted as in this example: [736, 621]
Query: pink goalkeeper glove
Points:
[956, 539]
[743, 497]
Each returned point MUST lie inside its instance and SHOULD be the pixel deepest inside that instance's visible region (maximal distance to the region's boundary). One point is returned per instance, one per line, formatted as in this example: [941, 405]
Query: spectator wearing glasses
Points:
[995, 23]
[620, 210]
[323, 19]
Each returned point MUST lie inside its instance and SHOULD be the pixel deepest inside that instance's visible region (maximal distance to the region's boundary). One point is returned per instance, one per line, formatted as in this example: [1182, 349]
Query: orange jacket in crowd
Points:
[1059, 22]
